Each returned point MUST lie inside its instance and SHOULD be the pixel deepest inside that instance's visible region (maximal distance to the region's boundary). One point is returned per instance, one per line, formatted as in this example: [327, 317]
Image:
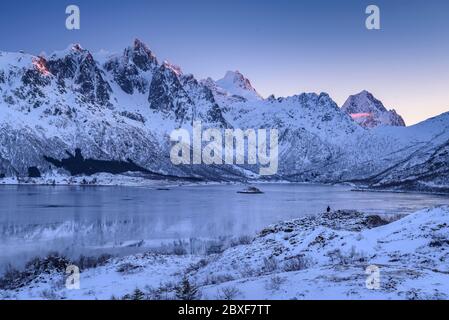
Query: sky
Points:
[284, 47]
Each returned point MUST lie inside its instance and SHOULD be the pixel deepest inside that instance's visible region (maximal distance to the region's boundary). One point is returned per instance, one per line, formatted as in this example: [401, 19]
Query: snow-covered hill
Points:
[122, 107]
[426, 168]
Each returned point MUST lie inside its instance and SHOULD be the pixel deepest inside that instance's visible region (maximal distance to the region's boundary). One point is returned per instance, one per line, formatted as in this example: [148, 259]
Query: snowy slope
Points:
[236, 84]
[425, 167]
[315, 257]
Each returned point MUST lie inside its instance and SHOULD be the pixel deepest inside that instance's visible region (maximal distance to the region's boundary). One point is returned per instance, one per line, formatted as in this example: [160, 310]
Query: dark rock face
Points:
[214, 115]
[127, 68]
[63, 68]
[33, 81]
[133, 116]
[167, 95]
[142, 57]
[35, 78]
[92, 84]
[33, 172]
[126, 76]
[31, 90]
[80, 67]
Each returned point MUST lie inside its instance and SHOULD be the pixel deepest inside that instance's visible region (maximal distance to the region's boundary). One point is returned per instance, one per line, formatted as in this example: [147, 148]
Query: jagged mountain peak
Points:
[141, 56]
[77, 47]
[129, 68]
[75, 68]
[138, 54]
[68, 62]
[235, 83]
[141, 46]
[370, 112]
[234, 76]
[367, 101]
[237, 78]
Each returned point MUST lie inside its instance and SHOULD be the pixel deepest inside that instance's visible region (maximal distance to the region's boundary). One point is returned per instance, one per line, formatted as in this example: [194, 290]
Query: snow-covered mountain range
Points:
[121, 109]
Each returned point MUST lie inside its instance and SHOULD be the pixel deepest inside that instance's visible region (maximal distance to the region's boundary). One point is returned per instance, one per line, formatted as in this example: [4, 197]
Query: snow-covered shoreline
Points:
[400, 191]
[314, 257]
[135, 180]
[99, 180]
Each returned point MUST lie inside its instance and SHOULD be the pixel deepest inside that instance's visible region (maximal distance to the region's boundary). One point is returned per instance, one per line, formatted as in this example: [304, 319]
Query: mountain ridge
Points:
[125, 106]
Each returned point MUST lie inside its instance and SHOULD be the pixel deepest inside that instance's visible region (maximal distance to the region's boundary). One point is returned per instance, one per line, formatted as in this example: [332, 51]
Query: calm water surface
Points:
[37, 219]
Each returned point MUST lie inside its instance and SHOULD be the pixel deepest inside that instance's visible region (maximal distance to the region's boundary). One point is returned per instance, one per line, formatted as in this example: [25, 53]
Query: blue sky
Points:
[284, 46]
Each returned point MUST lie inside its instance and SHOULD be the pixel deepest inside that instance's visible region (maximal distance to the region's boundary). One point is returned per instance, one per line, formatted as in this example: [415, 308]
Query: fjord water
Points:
[35, 220]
